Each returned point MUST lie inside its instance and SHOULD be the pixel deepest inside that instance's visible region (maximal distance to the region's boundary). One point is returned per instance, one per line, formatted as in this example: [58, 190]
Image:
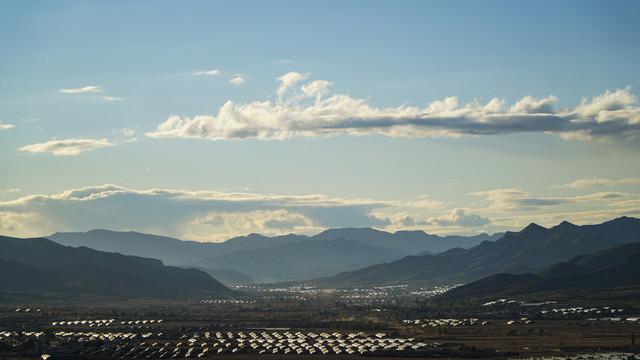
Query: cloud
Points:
[307, 109]
[220, 215]
[425, 202]
[214, 72]
[67, 147]
[514, 199]
[86, 89]
[259, 220]
[529, 105]
[128, 132]
[459, 217]
[179, 212]
[593, 182]
[288, 80]
[238, 80]
[6, 126]
[111, 98]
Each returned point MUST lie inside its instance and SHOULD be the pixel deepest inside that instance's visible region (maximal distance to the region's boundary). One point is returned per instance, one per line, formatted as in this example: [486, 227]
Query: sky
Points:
[206, 120]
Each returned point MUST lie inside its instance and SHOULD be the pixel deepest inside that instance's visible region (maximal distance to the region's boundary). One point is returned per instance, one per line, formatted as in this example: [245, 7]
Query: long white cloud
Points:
[67, 147]
[214, 72]
[593, 182]
[6, 126]
[86, 89]
[515, 199]
[307, 109]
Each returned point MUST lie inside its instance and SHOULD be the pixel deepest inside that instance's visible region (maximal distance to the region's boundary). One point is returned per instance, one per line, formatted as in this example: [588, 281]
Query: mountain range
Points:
[287, 257]
[527, 251]
[533, 259]
[611, 268]
[40, 265]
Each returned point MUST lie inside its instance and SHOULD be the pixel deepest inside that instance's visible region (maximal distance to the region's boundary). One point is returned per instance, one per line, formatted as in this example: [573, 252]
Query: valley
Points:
[562, 291]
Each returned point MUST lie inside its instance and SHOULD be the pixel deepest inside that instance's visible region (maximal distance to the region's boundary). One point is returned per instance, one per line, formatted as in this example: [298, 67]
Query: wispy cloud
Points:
[111, 98]
[214, 72]
[593, 182]
[307, 109]
[515, 199]
[67, 147]
[128, 132]
[6, 126]
[86, 89]
[238, 80]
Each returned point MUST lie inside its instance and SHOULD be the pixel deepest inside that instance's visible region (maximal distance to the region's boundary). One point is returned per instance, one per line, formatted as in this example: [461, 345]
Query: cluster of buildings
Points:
[158, 345]
[227, 301]
[445, 322]
[104, 322]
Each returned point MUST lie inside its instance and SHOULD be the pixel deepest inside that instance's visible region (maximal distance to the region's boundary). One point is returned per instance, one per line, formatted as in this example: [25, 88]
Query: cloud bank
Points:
[188, 214]
[306, 109]
[67, 147]
[220, 215]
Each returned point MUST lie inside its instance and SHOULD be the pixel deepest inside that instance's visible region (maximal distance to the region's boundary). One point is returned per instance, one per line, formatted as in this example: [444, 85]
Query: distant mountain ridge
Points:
[615, 267]
[302, 260]
[531, 249]
[41, 265]
[240, 258]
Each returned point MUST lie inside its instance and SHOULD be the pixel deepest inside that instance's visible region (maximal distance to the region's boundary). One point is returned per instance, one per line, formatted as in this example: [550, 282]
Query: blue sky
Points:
[206, 120]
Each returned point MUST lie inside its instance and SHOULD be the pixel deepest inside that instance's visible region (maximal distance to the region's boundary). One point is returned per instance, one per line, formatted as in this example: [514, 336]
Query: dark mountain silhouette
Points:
[247, 255]
[41, 265]
[533, 248]
[608, 272]
[302, 260]
[621, 230]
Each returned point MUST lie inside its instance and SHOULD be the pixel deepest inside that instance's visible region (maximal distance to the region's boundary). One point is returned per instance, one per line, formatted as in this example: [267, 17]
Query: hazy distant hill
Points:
[302, 260]
[170, 250]
[531, 249]
[244, 261]
[615, 267]
[41, 265]
[228, 277]
[409, 242]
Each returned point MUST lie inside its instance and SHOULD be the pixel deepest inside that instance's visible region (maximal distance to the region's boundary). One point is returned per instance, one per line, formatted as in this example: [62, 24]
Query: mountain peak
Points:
[533, 227]
[623, 220]
[565, 225]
